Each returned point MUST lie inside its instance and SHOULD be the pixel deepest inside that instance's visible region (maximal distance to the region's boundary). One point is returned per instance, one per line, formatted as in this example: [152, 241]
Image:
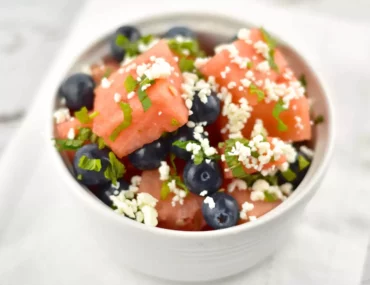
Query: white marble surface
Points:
[31, 32]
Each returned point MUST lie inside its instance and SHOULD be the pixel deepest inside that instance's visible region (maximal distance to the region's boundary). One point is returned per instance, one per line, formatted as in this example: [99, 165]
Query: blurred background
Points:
[31, 32]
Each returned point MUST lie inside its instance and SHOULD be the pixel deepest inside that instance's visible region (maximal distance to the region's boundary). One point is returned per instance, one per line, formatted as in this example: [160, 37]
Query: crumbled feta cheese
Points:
[71, 134]
[211, 203]
[258, 129]
[257, 196]
[231, 85]
[244, 34]
[200, 62]
[245, 82]
[159, 113]
[262, 48]
[284, 166]
[86, 69]
[145, 199]
[260, 185]
[298, 123]
[146, 86]
[144, 47]
[105, 83]
[203, 193]
[190, 124]
[179, 194]
[150, 216]
[237, 184]
[164, 171]
[286, 188]
[62, 115]
[252, 218]
[307, 151]
[130, 95]
[263, 66]
[246, 207]
[117, 97]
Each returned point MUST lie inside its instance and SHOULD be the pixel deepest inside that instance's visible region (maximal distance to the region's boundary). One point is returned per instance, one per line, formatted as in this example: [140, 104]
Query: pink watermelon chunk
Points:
[167, 113]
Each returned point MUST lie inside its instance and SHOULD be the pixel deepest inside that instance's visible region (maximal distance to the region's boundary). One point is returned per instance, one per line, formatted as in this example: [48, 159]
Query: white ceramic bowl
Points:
[198, 256]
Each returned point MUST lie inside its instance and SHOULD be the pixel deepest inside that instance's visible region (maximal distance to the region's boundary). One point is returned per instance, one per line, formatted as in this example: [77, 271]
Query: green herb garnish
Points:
[91, 164]
[131, 48]
[107, 73]
[187, 48]
[67, 144]
[127, 120]
[79, 177]
[174, 122]
[84, 117]
[232, 161]
[278, 108]
[303, 80]
[289, 175]
[270, 197]
[144, 99]
[165, 190]
[318, 120]
[172, 160]
[186, 65]
[302, 162]
[253, 89]
[271, 43]
[115, 169]
[250, 65]
[200, 156]
[130, 83]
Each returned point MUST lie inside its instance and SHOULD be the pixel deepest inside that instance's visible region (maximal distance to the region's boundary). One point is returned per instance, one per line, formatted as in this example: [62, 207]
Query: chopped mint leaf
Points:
[187, 48]
[146, 39]
[127, 119]
[198, 158]
[269, 40]
[144, 99]
[253, 89]
[92, 164]
[79, 177]
[232, 161]
[302, 162]
[93, 115]
[303, 80]
[83, 115]
[278, 108]
[270, 197]
[101, 143]
[107, 73]
[174, 122]
[165, 190]
[172, 160]
[289, 175]
[183, 144]
[186, 65]
[250, 65]
[221, 144]
[85, 134]
[181, 184]
[271, 60]
[115, 169]
[122, 41]
[318, 120]
[66, 144]
[130, 83]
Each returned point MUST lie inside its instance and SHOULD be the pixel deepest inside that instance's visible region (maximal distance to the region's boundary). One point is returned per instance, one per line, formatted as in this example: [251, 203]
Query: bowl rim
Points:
[300, 193]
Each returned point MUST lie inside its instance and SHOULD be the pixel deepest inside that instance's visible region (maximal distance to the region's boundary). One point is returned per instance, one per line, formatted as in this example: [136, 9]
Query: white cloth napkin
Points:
[44, 241]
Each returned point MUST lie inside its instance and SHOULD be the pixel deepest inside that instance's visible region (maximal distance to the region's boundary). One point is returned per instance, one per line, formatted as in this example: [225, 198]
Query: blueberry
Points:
[107, 190]
[150, 155]
[131, 33]
[91, 177]
[179, 31]
[78, 91]
[300, 174]
[205, 112]
[182, 134]
[204, 176]
[225, 213]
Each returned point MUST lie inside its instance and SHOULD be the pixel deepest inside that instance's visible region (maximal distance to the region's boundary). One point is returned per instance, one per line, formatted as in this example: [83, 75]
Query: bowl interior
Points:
[213, 30]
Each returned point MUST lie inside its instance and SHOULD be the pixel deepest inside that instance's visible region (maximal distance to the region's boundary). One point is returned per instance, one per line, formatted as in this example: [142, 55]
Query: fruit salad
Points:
[170, 136]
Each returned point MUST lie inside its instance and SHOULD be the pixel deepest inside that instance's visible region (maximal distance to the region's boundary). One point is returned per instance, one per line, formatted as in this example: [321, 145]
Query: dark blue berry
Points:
[300, 173]
[131, 33]
[104, 192]
[225, 213]
[182, 134]
[179, 31]
[150, 155]
[204, 176]
[205, 112]
[91, 177]
[78, 91]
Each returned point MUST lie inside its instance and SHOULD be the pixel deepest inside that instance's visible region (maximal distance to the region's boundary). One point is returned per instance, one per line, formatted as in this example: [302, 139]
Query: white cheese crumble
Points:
[62, 115]
[246, 207]
[262, 48]
[237, 184]
[71, 134]
[231, 85]
[286, 188]
[159, 113]
[298, 123]
[159, 68]
[203, 193]
[259, 129]
[244, 34]
[164, 171]
[260, 185]
[144, 47]
[200, 62]
[263, 66]
[130, 95]
[179, 194]
[252, 218]
[211, 203]
[307, 151]
[117, 97]
[105, 83]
